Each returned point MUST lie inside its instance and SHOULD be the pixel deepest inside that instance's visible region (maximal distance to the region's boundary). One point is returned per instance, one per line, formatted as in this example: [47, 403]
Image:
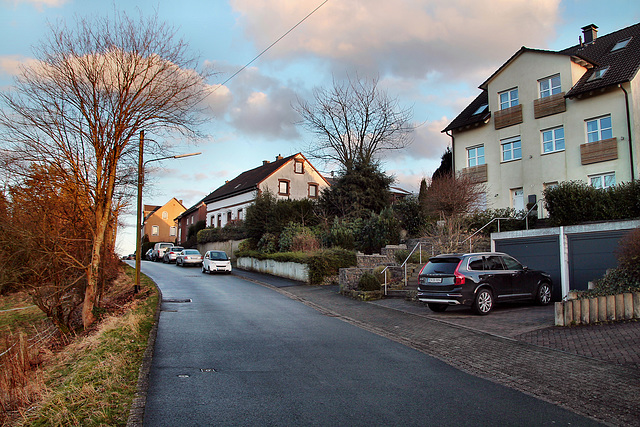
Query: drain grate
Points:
[176, 300]
[207, 370]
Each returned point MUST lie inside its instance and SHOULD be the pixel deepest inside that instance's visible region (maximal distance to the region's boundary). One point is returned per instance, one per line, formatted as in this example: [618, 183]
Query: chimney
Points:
[226, 182]
[265, 162]
[278, 157]
[590, 33]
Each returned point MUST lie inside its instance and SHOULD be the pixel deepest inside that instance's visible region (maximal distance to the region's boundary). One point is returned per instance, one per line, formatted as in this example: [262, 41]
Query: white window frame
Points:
[476, 158]
[510, 98]
[155, 230]
[172, 231]
[557, 142]
[298, 166]
[165, 215]
[313, 190]
[509, 146]
[598, 130]
[600, 180]
[554, 86]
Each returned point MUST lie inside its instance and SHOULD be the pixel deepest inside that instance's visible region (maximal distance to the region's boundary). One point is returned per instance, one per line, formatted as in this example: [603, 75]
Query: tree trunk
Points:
[93, 271]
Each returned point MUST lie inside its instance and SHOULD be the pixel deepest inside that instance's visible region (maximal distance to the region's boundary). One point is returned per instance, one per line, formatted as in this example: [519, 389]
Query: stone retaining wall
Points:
[599, 309]
[290, 270]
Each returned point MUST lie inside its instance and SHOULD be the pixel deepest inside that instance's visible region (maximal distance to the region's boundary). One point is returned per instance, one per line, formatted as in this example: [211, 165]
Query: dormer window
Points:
[598, 74]
[621, 44]
[481, 109]
[298, 166]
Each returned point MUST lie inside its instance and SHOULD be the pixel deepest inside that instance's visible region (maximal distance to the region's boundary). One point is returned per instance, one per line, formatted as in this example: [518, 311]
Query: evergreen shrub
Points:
[369, 282]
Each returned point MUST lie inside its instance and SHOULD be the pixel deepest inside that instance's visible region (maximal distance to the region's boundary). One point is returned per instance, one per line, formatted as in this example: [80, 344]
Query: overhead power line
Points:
[272, 44]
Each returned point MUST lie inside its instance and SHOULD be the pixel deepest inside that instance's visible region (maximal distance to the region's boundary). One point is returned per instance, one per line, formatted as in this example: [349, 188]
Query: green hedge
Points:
[321, 264]
[574, 202]
[232, 231]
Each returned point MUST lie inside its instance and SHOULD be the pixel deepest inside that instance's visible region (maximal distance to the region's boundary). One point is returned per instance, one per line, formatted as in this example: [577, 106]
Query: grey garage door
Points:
[590, 256]
[539, 253]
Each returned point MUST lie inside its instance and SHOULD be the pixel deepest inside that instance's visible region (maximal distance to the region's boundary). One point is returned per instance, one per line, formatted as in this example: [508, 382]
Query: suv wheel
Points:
[483, 302]
[543, 296]
[438, 308]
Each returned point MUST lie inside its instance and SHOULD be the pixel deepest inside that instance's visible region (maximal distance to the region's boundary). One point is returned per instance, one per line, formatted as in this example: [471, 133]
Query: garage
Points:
[537, 253]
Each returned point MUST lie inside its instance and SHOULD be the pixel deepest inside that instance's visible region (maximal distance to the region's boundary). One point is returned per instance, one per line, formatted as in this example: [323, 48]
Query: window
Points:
[508, 98]
[475, 156]
[602, 181]
[553, 184]
[599, 129]
[598, 74]
[550, 86]
[155, 230]
[172, 231]
[553, 140]
[213, 221]
[621, 44]
[228, 217]
[313, 191]
[219, 220]
[239, 214]
[511, 149]
[165, 215]
[481, 109]
[494, 263]
[298, 166]
[511, 263]
[283, 187]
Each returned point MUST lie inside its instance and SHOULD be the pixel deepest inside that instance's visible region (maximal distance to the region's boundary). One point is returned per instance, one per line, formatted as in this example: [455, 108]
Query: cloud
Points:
[255, 104]
[12, 64]
[407, 38]
[39, 5]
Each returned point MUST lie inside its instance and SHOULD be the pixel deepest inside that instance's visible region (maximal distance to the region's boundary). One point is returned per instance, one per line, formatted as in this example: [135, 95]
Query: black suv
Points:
[479, 280]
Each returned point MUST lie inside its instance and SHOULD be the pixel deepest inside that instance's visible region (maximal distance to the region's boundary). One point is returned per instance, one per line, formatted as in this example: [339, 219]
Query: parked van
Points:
[159, 250]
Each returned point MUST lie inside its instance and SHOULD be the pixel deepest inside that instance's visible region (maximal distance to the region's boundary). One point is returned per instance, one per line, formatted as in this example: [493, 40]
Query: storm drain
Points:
[207, 370]
[176, 300]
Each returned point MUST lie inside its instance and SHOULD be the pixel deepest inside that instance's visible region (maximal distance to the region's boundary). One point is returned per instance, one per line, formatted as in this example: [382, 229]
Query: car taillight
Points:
[459, 278]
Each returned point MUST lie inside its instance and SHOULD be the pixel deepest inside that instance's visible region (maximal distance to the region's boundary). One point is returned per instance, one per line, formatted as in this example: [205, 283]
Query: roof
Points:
[622, 64]
[191, 209]
[247, 181]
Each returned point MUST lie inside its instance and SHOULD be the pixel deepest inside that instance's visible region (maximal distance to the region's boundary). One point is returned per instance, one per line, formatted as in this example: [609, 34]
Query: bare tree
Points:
[79, 109]
[452, 195]
[354, 121]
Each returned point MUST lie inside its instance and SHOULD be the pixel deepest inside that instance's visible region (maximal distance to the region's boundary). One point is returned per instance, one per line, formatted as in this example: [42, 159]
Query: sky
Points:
[429, 54]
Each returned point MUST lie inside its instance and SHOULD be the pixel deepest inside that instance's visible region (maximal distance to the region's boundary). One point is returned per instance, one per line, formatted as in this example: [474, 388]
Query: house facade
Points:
[290, 177]
[159, 221]
[545, 117]
[191, 216]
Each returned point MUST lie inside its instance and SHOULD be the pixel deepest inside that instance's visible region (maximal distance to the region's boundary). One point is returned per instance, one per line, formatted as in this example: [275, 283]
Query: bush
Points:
[268, 243]
[378, 231]
[629, 252]
[574, 202]
[234, 230]
[616, 281]
[343, 233]
[368, 282]
[327, 263]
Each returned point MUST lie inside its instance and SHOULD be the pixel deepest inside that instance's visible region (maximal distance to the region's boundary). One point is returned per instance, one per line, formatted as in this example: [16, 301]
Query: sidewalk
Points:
[591, 370]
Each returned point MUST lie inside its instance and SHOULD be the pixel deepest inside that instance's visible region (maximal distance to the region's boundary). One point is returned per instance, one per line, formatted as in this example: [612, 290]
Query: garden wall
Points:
[599, 309]
[290, 270]
[229, 246]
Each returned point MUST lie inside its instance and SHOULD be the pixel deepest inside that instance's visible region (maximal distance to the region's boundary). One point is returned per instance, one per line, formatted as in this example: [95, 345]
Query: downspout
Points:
[626, 104]
[453, 153]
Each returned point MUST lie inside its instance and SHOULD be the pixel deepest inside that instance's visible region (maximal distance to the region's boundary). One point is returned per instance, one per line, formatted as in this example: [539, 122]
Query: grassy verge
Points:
[92, 381]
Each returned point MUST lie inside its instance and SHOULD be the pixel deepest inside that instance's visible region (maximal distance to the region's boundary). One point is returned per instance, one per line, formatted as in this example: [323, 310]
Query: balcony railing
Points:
[549, 105]
[599, 151]
[508, 117]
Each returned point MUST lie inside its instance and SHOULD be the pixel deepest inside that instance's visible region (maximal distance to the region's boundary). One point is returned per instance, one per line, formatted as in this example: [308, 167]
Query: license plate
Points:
[434, 280]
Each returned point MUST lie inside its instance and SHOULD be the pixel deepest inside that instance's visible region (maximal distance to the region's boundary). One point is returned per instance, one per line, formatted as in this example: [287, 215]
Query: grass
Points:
[92, 381]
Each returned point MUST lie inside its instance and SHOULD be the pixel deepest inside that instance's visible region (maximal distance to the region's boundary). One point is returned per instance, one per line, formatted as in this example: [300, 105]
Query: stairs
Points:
[413, 270]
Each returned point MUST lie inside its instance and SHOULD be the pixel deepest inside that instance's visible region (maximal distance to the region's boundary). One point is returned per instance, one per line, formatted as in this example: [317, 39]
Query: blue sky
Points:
[430, 54]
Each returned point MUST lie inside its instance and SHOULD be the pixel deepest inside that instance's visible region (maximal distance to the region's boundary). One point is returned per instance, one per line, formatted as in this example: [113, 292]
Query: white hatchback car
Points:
[216, 261]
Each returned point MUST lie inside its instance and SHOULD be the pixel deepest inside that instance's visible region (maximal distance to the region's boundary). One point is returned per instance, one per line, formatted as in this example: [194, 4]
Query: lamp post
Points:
[141, 166]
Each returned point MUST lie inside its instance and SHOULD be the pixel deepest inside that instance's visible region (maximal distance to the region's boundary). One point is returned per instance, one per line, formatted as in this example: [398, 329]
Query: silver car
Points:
[216, 261]
[171, 254]
[189, 257]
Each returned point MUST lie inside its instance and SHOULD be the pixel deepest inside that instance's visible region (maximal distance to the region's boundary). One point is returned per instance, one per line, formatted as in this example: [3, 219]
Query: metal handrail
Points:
[404, 264]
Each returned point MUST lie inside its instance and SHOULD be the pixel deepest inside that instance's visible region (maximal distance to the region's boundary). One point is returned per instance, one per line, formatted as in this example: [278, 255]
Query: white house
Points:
[550, 116]
[290, 177]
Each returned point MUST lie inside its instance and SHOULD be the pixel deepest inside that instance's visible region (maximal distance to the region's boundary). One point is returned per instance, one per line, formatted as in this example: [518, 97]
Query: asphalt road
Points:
[232, 352]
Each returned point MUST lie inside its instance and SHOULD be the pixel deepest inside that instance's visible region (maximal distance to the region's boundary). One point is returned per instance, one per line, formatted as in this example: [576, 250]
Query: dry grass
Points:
[92, 380]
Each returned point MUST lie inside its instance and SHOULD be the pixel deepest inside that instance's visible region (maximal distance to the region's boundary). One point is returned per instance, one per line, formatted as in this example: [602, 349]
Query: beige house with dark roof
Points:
[292, 177]
[545, 117]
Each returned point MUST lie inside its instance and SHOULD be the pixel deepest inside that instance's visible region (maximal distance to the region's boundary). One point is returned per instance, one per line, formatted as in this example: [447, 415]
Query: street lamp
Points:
[141, 165]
